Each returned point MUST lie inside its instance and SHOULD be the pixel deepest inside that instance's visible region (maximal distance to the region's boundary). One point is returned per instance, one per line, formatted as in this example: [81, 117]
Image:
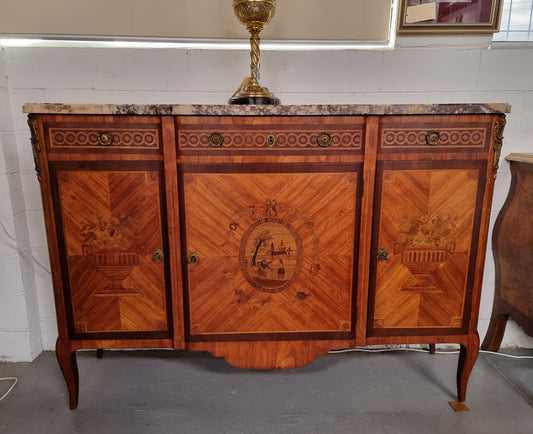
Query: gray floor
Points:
[184, 392]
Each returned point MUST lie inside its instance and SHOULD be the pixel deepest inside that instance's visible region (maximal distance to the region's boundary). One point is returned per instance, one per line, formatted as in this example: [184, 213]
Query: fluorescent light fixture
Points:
[204, 44]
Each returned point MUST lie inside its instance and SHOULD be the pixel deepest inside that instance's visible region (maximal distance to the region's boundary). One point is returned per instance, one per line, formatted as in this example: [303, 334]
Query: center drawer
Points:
[259, 134]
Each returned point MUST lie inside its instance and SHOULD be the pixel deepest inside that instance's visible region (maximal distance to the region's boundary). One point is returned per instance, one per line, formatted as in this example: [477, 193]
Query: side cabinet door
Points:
[424, 246]
[112, 237]
[271, 255]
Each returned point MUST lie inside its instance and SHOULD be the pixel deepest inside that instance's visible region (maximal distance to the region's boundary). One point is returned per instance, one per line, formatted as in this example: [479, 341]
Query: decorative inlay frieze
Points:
[88, 137]
[410, 137]
[284, 139]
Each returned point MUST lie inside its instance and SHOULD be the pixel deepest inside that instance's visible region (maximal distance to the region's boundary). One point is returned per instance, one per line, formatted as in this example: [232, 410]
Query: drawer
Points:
[435, 133]
[257, 133]
[137, 134]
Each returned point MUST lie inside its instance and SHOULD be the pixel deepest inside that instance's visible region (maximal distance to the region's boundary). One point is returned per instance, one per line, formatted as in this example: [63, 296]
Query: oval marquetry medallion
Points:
[271, 255]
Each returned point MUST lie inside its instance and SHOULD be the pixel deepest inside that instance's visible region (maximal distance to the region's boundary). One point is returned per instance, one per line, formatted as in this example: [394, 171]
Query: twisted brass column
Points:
[255, 15]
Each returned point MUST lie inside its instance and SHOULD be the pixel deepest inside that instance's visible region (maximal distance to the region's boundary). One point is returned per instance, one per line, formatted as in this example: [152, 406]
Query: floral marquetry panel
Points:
[425, 220]
[275, 256]
[111, 223]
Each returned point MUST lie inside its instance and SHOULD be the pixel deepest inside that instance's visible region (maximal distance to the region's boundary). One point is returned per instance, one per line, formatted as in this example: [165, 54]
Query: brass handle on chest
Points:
[382, 255]
[324, 139]
[216, 140]
[158, 255]
[193, 258]
[105, 138]
[433, 138]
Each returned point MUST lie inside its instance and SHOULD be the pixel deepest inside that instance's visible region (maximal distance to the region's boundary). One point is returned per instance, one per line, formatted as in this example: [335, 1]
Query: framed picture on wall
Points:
[440, 16]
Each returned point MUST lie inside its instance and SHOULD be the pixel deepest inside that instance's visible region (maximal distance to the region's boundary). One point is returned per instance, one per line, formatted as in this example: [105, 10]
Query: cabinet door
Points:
[271, 255]
[425, 237]
[111, 236]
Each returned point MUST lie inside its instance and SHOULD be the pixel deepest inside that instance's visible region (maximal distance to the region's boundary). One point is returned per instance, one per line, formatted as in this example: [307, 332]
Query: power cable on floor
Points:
[15, 380]
[22, 247]
[382, 350]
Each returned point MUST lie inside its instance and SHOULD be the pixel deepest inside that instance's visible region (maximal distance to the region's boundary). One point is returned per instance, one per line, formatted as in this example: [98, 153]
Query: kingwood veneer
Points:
[266, 235]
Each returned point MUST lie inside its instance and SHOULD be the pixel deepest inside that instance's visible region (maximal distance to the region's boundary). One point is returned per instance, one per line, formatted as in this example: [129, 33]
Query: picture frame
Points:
[441, 16]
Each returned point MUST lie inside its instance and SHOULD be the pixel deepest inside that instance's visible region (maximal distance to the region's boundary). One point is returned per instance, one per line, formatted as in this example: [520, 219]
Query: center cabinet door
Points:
[270, 255]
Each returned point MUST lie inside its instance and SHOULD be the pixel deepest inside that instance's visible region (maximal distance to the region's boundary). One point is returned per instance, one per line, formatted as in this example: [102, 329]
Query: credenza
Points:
[266, 234]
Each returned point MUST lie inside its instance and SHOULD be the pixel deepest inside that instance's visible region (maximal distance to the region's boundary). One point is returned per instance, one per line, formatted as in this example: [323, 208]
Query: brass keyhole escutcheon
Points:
[105, 138]
[382, 255]
[158, 255]
[193, 258]
[215, 140]
[433, 138]
[324, 139]
[271, 140]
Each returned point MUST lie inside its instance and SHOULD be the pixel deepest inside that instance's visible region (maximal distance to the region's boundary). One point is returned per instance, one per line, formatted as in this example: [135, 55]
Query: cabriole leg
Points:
[467, 358]
[495, 332]
[69, 367]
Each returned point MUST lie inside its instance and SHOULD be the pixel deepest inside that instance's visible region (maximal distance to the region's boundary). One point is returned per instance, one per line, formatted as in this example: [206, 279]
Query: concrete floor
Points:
[184, 392]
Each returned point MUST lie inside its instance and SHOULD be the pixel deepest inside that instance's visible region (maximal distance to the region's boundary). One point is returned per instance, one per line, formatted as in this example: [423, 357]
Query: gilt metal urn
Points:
[254, 15]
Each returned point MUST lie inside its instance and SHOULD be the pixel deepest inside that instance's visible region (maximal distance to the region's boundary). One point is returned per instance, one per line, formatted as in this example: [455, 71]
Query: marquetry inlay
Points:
[285, 139]
[415, 137]
[271, 255]
[88, 137]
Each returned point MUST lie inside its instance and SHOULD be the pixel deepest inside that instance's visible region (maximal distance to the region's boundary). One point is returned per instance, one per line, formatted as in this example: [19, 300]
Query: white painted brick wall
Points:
[20, 331]
[452, 69]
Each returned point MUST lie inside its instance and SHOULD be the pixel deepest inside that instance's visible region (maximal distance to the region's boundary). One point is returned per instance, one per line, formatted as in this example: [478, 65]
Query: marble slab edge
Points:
[272, 110]
[520, 157]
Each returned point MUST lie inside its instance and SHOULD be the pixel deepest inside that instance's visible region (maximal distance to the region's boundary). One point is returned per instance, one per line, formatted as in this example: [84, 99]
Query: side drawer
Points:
[103, 134]
[453, 133]
[204, 134]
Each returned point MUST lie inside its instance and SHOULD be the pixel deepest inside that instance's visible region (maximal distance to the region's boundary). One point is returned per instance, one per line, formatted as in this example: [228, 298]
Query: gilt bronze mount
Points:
[254, 15]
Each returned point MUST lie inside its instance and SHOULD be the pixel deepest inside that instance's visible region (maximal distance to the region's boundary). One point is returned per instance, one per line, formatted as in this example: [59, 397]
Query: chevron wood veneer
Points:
[267, 239]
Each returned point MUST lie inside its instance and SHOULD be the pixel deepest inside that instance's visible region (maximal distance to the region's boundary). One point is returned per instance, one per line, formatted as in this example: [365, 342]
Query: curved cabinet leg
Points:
[467, 358]
[69, 367]
[495, 332]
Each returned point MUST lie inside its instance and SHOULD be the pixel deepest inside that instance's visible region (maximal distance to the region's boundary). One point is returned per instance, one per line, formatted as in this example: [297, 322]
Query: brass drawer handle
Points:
[216, 140]
[324, 139]
[105, 138]
[271, 140]
[158, 255]
[433, 138]
[193, 258]
[383, 255]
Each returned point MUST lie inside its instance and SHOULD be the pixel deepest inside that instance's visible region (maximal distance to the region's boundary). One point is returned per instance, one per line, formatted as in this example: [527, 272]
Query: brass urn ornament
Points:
[254, 15]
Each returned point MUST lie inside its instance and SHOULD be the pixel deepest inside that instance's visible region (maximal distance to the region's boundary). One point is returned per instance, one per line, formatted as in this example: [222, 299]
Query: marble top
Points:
[259, 110]
[520, 158]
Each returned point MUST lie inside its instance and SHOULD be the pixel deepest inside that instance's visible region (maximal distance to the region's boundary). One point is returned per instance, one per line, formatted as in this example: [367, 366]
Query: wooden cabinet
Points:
[266, 235]
[512, 245]
[427, 214]
[112, 237]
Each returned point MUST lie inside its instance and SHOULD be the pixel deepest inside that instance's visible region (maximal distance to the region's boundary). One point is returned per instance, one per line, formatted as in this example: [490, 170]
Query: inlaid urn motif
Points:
[427, 243]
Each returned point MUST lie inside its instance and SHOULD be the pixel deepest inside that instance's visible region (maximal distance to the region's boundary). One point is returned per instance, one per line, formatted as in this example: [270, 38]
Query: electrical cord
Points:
[15, 381]
[22, 247]
[382, 350]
